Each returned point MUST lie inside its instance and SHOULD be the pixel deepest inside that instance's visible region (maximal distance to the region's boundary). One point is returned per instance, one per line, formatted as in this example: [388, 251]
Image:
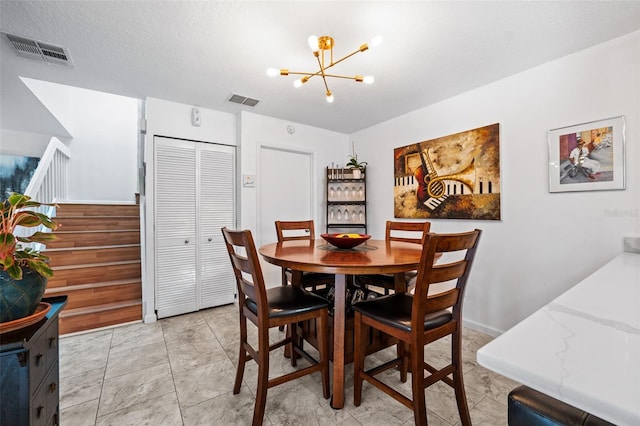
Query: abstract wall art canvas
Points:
[451, 177]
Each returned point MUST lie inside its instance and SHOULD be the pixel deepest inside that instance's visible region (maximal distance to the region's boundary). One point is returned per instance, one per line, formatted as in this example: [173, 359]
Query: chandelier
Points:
[322, 48]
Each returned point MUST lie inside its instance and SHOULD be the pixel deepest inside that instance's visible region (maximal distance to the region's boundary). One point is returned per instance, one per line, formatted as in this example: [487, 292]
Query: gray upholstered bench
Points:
[528, 407]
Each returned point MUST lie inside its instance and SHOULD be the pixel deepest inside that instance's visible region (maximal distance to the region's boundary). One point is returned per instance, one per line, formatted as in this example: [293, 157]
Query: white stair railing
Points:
[49, 182]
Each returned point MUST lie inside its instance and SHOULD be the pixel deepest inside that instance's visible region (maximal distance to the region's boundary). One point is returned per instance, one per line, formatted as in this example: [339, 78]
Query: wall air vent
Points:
[39, 51]
[243, 100]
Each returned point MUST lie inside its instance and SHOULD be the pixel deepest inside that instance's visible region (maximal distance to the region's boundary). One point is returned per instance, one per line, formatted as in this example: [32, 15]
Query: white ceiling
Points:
[198, 53]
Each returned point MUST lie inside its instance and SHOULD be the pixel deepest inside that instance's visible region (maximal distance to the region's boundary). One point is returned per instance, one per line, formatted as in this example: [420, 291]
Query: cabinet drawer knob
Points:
[52, 342]
[186, 241]
[39, 411]
[39, 359]
[53, 387]
[209, 239]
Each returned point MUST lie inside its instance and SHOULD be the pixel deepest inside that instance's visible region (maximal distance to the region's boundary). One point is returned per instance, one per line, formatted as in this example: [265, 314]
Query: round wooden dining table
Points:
[373, 257]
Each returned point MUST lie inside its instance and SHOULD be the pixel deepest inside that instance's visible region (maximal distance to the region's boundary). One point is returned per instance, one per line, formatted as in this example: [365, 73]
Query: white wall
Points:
[104, 145]
[23, 143]
[255, 130]
[171, 119]
[58, 99]
[545, 242]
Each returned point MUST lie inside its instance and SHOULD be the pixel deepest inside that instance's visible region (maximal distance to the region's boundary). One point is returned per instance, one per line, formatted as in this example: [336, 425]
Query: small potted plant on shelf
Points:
[357, 167]
[23, 270]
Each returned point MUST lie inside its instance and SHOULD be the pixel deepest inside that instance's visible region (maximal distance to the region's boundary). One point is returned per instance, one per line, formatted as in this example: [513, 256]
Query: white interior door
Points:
[285, 191]
[216, 210]
[175, 226]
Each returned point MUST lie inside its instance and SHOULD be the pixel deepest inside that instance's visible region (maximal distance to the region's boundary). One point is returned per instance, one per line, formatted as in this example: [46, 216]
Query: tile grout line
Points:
[103, 378]
[173, 380]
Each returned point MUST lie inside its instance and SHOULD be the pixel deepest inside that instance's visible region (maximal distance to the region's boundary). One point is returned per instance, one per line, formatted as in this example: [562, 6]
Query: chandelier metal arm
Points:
[317, 73]
[362, 49]
[322, 68]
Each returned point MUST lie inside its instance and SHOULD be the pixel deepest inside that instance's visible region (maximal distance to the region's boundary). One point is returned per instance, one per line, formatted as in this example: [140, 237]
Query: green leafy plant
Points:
[13, 255]
[353, 163]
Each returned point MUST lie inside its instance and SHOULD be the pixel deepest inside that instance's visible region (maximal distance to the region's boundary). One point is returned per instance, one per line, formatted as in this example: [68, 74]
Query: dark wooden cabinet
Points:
[346, 201]
[29, 377]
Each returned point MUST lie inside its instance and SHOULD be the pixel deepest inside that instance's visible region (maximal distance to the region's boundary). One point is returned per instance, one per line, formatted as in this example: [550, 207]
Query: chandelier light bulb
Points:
[272, 72]
[375, 41]
[368, 79]
[329, 97]
[313, 43]
[297, 83]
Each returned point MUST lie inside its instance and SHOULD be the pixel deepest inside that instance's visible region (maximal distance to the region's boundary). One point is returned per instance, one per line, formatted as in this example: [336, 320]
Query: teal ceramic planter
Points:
[20, 298]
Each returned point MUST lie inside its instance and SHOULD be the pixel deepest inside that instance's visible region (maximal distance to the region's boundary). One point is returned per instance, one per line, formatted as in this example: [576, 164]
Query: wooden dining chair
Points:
[417, 320]
[301, 230]
[268, 308]
[410, 232]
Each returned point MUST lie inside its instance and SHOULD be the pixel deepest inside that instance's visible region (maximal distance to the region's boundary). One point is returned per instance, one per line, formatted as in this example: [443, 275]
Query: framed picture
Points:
[587, 157]
[452, 177]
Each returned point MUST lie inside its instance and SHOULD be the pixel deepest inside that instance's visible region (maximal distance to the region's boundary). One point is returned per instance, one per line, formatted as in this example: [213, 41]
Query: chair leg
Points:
[293, 331]
[242, 355]
[323, 341]
[263, 376]
[359, 342]
[417, 383]
[458, 381]
[284, 283]
[404, 364]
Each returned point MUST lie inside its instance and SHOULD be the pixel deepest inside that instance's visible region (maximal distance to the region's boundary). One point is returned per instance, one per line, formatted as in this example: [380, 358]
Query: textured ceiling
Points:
[198, 53]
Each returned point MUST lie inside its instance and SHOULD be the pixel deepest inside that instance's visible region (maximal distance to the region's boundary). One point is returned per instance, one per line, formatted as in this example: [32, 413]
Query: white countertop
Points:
[582, 348]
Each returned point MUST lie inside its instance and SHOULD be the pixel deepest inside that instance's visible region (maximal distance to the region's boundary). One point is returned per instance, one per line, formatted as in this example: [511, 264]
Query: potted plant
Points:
[357, 167]
[23, 270]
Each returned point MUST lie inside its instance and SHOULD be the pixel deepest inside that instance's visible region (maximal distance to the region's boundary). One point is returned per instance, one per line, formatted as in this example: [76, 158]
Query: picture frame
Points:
[588, 156]
[456, 176]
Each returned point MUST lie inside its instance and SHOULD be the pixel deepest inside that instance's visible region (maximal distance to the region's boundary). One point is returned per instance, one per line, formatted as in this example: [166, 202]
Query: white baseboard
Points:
[491, 331]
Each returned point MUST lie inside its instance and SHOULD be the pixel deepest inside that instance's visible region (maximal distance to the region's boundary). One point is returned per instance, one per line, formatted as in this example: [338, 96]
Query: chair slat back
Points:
[410, 232]
[295, 230]
[454, 272]
[246, 268]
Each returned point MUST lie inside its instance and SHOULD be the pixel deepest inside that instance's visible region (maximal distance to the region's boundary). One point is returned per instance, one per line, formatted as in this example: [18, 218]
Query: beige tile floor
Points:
[180, 371]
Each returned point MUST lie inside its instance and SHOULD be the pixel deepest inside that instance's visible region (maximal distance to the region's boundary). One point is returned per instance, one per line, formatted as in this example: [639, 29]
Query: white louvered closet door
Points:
[217, 209]
[194, 198]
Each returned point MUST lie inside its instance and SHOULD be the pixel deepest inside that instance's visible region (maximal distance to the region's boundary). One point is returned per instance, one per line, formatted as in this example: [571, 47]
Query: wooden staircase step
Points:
[81, 319]
[85, 295]
[86, 255]
[96, 264]
[94, 238]
[99, 223]
[73, 209]
[94, 273]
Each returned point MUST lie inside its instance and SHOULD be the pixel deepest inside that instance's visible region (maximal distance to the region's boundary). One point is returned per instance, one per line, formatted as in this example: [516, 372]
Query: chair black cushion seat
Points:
[528, 407]
[395, 310]
[289, 300]
[385, 280]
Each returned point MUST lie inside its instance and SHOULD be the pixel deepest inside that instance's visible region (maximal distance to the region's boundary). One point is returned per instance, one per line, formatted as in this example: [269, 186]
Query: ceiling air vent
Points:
[39, 51]
[243, 100]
